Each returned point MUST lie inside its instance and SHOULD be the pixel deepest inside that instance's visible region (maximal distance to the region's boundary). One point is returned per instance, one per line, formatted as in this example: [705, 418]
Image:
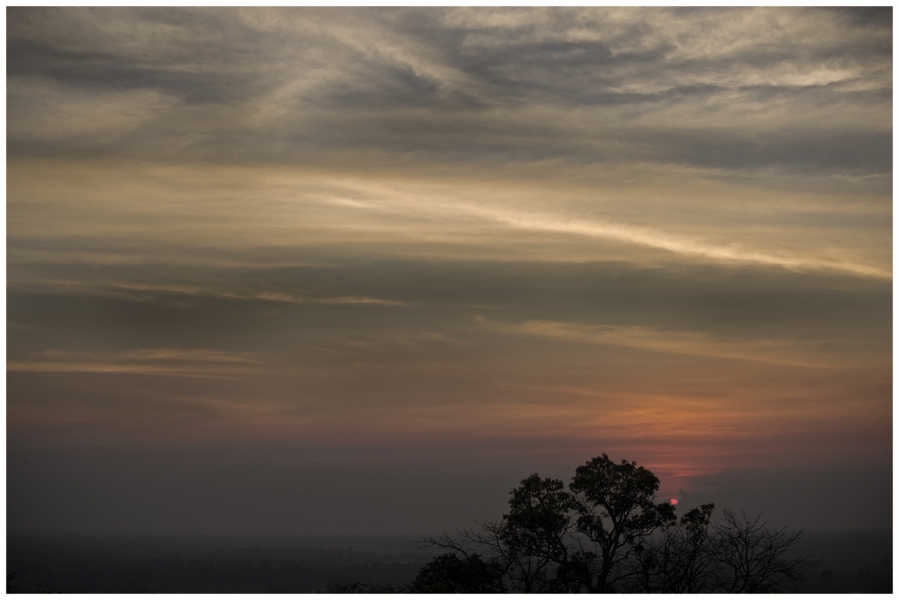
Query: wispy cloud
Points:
[654, 238]
[126, 289]
[170, 362]
[302, 82]
[300, 299]
[776, 352]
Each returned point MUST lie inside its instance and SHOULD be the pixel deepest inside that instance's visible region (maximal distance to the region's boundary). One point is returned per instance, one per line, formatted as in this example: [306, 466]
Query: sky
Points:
[362, 270]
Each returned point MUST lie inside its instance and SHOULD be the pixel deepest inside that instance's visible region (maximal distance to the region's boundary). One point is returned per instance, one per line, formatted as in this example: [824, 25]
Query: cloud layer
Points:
[488, 240]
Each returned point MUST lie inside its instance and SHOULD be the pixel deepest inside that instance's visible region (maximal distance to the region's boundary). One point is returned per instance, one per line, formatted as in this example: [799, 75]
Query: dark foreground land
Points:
[850, 562]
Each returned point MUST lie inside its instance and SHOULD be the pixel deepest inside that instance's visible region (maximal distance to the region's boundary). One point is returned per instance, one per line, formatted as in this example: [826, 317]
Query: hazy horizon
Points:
[362, 270]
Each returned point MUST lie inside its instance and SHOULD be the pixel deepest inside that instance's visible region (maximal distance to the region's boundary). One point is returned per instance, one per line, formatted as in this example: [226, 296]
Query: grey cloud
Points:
[851, 151]
[390, 87]
[338, 80]
[878, 18]
[199, 55]
[732, 302]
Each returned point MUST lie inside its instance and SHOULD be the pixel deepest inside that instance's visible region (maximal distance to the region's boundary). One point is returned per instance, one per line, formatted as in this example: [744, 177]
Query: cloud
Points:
[776, 352]
[156, 291]
[276, 228]
[730, 89]
[677, 244]
[51, 112]
[168, 362]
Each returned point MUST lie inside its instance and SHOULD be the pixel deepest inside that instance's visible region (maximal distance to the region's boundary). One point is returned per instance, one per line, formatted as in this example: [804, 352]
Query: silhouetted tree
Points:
[553, 540]
[538, 529]
[755, 558]
[449, 574]
[517, 571]
[606, 533]
[681, 559]
[363, 588]
[616, 510]
[11, 586]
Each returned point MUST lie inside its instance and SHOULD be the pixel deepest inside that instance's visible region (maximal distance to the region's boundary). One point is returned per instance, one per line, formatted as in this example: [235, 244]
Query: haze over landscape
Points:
[360, 271]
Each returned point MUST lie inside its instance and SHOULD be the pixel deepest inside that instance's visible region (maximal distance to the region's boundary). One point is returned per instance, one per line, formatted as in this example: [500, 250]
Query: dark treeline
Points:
[852, 562]
[606, 533]
[206, 564]
[603, 532]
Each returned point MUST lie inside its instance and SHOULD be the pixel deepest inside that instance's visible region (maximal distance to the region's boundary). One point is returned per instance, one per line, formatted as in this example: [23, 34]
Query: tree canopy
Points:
[607, 533]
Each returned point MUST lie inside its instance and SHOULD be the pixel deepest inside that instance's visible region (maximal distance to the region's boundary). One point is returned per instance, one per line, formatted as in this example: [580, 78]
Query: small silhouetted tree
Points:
[538, 530]
[11, 586]
[450, 574]
[752, 557]
[518, 567]
[681, 559]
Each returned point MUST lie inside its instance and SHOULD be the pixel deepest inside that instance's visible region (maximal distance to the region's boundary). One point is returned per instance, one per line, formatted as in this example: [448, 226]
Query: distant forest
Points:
[603, 532]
